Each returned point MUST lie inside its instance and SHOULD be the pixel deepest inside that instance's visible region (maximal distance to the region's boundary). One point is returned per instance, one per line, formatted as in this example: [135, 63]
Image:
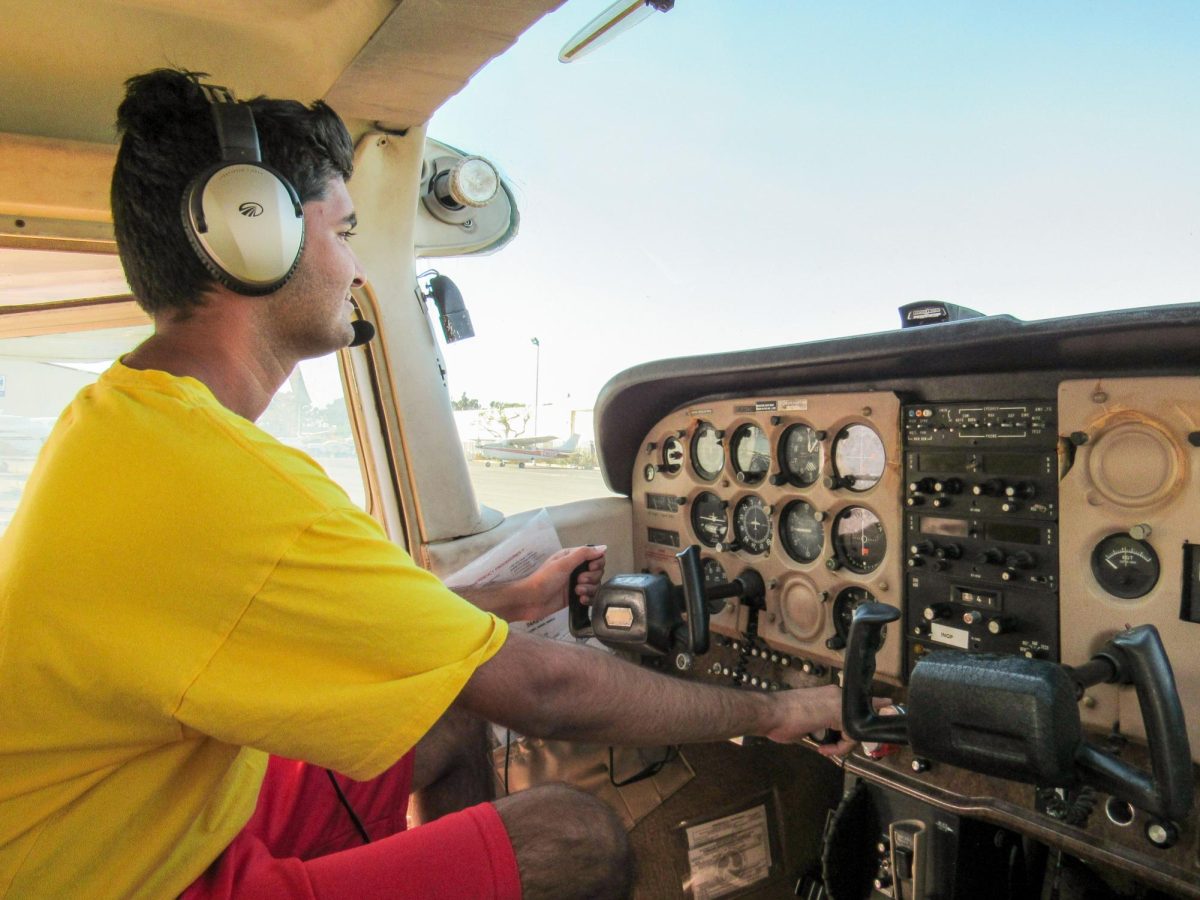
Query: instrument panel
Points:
[803, 490]
[1038, 527]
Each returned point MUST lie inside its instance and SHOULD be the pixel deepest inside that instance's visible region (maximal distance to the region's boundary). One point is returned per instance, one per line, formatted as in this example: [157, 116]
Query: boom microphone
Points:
[363, 332]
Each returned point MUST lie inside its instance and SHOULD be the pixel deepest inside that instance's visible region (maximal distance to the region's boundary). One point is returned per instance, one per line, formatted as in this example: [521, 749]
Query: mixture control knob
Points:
[948, 486]
[948, 551]
[921, 486]
[993, 555]
[1022, 490]
[1022, 559]
[935, 612]
[993, 487]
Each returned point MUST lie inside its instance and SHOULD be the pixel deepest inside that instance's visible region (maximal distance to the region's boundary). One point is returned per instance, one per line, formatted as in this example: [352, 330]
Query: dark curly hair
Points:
[167, 139]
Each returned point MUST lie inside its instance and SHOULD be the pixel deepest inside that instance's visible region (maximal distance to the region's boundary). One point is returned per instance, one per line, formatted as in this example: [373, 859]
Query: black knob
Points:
[919, 764]
[993, 487]
[837, 642]
[914, 500]
[779, 479]
[922, 548]
[948, 551]
[921, 486]
[833, 564]
[937, 611]
[972, 617]
[914, 562]
[949, 486]
[1022, 559]
[1022, 490]
[993, 555]
[940, 502]
[1010, 506]
[834, 482]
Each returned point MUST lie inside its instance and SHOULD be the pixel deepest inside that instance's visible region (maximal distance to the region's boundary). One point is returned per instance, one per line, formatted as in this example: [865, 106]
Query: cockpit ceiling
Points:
[372, 60]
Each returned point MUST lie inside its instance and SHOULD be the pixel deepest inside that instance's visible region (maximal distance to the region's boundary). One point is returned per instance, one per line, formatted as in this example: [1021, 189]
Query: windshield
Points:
[733, 175]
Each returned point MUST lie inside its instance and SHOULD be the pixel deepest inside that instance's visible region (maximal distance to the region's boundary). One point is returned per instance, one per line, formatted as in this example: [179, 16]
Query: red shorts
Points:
[300, 842]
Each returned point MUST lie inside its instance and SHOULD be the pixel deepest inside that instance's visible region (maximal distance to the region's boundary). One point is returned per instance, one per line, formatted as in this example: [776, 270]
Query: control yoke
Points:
[1018, 718]
[645, 613]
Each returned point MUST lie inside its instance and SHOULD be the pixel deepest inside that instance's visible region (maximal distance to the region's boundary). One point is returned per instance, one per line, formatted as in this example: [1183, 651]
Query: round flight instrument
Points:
[844, 605]
[800, 455]
[752, 525]
[1125, 567]
[859, 541]
[751, 451]
[858, 457]
[801, 532]
[672, 455]
[708, 456]
[714, 573]
[709, 521]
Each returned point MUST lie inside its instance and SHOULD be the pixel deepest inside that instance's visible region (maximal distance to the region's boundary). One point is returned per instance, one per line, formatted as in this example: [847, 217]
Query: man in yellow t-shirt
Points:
[194, 618]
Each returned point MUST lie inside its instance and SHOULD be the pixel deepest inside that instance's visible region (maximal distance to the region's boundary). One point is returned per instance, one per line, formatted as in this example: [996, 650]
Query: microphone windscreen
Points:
[363, 332]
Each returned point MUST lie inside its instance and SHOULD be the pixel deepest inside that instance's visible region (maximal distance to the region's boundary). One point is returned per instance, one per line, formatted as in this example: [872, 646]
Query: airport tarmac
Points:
[511, 489]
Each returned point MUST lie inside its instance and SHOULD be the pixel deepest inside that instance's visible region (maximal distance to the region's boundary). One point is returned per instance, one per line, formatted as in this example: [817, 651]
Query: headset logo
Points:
[250, 209]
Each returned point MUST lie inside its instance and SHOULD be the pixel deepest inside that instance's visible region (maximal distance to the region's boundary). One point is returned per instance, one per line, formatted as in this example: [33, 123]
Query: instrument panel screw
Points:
[866, 410]
[1100, 397]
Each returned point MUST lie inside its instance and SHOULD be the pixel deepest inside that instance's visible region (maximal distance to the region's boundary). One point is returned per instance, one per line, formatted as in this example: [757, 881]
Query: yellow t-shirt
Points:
[180, 595]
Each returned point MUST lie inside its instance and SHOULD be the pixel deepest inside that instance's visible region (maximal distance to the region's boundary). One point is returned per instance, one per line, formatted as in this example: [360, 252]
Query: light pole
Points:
[537, 371]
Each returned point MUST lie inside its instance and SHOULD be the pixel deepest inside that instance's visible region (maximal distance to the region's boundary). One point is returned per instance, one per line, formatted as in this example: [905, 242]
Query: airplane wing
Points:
[526, 441]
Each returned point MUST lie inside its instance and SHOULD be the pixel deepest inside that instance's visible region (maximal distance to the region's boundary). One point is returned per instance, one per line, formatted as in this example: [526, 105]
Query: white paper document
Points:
[729, 854]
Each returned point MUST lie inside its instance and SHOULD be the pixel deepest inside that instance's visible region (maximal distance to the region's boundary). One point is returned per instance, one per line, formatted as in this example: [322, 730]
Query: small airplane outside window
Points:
[523, 450]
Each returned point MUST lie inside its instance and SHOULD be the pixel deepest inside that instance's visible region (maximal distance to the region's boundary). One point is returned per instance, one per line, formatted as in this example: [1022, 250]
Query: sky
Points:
[737, 175]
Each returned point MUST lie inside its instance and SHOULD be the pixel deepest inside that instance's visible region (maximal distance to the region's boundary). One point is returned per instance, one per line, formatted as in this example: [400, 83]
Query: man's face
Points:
[310, 315]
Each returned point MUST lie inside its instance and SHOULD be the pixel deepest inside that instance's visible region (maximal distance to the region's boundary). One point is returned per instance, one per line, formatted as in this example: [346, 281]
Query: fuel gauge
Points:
[1125, 567]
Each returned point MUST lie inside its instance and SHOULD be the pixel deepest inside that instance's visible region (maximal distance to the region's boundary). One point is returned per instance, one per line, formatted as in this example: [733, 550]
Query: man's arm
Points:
[566, 692]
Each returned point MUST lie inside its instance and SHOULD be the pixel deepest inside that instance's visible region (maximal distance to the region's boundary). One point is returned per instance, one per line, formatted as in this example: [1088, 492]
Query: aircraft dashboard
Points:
[1012, 489]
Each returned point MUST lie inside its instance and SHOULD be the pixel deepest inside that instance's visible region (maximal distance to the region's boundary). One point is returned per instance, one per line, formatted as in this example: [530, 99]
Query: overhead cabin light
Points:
[459, 186]
[619, 17]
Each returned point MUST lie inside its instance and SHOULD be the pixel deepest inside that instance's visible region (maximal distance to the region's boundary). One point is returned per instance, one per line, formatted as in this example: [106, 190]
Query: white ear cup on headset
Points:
[247, 225]
[243, 219]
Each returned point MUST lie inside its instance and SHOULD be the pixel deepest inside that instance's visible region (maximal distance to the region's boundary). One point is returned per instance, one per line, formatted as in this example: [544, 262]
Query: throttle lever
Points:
[859, 719]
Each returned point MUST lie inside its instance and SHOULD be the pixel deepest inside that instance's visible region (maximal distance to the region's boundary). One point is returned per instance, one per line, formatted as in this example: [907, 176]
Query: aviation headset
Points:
[244, 220]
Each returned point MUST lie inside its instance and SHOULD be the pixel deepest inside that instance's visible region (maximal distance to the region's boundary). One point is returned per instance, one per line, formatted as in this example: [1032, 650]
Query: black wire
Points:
[649, 772]
[366, 838]
[507, 748]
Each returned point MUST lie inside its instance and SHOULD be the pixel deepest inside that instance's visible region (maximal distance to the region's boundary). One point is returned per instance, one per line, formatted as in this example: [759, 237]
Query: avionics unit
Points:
[981, 528]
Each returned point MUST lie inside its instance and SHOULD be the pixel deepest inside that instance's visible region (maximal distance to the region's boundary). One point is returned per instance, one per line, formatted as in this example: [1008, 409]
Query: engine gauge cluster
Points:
[804, 490]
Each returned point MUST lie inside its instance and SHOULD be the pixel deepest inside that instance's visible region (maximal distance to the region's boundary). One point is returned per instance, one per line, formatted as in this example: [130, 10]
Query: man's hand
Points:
[545, 591]
[800, 708]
